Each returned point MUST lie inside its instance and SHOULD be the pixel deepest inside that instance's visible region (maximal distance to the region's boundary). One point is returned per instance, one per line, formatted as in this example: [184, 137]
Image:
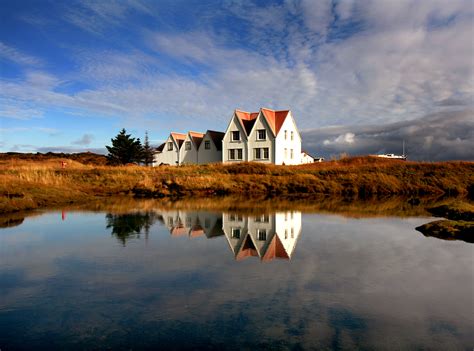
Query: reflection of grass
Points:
[30, 184]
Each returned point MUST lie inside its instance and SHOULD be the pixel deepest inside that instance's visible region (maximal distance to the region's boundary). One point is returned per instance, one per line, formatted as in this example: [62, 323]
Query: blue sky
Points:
[360, 77]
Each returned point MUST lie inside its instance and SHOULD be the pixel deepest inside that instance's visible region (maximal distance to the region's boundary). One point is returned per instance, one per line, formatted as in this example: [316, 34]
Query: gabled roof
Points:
[274, 118]
[247, 119]
[216, 137]
[247, 248]
[160, 148]
[178, 137]
[196, 137]
[275, 250]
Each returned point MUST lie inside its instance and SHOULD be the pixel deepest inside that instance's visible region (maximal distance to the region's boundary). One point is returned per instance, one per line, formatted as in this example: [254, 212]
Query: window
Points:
[235, 217]
[187, 145]
[292, 233]
[236, 233]
[265, 153]
[235, 135]
[286, 132]
[170, 146]
[258, 153]
[170, 221]
[235, 154]
[286, 233]
[262, 234]
[207, 145]
[291, 153]
[291, 135]
[261, 134]
[262, 219]
[286, 153]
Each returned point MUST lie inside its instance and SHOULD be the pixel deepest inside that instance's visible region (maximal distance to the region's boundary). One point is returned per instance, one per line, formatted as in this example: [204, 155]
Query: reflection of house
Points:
[265, 236]
[193, 224]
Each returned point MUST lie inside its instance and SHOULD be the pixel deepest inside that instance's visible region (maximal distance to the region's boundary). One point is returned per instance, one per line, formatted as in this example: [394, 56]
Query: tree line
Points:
[125, 150]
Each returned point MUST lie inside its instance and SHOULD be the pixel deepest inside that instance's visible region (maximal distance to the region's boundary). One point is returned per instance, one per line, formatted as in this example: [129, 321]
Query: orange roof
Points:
[275, 118]
[275, 250]
[247, 119]
[197, 138]
[247, 249]
[196, 231]
[178, 136]
[178, 231]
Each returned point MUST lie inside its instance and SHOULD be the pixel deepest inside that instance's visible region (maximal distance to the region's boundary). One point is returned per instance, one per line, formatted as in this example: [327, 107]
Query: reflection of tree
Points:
[131, 225]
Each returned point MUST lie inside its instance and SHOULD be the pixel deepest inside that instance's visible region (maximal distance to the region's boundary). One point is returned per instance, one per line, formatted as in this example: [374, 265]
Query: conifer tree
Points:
[148, 151]
[125, 149]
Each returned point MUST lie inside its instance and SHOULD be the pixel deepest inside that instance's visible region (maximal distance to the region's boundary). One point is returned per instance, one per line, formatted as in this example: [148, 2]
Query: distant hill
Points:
[87, 158]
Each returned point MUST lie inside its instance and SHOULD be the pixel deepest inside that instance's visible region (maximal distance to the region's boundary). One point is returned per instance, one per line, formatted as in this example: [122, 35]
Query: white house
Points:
[266, 136]
[188, 154]
[210, 150]
[170, 150]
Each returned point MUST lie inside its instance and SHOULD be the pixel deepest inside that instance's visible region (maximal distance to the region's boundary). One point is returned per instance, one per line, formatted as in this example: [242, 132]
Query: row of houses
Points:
[265, 236]
[266, 136]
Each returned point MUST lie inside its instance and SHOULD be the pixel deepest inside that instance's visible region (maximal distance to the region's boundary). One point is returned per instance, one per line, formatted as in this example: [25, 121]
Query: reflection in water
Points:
[266, 236]
[352, 284]
[128, 226]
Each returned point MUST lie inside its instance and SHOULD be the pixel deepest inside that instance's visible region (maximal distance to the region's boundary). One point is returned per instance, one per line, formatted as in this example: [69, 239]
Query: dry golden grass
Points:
[29, 184]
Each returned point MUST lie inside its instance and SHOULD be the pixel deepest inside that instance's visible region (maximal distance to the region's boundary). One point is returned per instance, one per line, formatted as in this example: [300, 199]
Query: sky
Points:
[360, 77]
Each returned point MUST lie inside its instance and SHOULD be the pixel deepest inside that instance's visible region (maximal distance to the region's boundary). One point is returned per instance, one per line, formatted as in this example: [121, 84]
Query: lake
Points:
[146, 275]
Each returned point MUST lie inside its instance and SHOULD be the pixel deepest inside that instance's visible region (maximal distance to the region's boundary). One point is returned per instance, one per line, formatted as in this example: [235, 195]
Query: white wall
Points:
[281, 143]
[168, 157]
[305, 158]
[288, 229]
[188, 156]
[253, 143]
[208, 155]
[229, 144]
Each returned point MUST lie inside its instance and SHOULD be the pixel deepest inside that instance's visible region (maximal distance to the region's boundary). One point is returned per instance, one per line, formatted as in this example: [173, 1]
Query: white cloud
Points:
[16, 56]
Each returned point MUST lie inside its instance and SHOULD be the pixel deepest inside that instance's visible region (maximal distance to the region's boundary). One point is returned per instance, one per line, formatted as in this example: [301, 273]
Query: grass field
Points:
[30, 183]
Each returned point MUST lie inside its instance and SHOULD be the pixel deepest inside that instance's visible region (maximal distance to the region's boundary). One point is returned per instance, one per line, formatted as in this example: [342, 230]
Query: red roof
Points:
[178, 136]
[275, 250]
[274, 118]
[197, 138]
[247, 249]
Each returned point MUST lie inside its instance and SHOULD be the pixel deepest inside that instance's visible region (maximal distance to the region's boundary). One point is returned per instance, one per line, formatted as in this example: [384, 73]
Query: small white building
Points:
[267, 136]
[189, 150]
[210, 150]
[170, 150]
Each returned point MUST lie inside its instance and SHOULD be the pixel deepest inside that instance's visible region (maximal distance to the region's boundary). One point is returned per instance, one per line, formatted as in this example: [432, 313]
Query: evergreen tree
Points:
[125, 149]
[148, 151]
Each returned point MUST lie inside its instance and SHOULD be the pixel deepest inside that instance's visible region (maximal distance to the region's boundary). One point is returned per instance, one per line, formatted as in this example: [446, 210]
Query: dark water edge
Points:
[126, 274]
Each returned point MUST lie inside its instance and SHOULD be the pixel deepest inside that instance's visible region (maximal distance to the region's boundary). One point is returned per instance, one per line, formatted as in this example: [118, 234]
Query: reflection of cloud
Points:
[440, 136]
[355, 283]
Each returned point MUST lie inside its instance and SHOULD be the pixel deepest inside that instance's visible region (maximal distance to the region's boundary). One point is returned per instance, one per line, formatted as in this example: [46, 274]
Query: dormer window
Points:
[236, 135]
[187, 145]
[261, 134]
[207, 145]
[170, 146]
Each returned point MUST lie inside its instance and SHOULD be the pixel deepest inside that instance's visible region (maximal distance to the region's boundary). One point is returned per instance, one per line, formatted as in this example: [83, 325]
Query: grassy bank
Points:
[28, 184]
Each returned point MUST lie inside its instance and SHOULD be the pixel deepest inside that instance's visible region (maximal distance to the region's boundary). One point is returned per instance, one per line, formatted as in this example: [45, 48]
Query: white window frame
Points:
[170, 146]
[232, 135]
[264, 134]
[266, 153]
[207, 144]
[262, 234]
[187, 145]
[233, 232]
[258, 153]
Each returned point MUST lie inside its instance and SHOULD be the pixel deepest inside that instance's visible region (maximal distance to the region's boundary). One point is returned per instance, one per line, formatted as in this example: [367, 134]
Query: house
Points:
[306, 158]
[170, 153]
[210, 150]
[188, 154]
[266, 236]
[267, 136]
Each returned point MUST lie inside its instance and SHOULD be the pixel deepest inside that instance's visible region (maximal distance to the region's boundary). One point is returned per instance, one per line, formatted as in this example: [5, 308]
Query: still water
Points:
[167, 278]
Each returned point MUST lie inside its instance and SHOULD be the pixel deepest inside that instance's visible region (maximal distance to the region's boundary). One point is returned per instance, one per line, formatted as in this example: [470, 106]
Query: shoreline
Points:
[30, 184]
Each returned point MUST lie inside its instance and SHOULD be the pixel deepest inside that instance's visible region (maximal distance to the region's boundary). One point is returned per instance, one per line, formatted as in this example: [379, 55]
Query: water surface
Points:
[209, 279]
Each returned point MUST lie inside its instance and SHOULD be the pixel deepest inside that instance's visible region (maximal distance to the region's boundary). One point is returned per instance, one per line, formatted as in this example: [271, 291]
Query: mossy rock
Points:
[449, 230]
